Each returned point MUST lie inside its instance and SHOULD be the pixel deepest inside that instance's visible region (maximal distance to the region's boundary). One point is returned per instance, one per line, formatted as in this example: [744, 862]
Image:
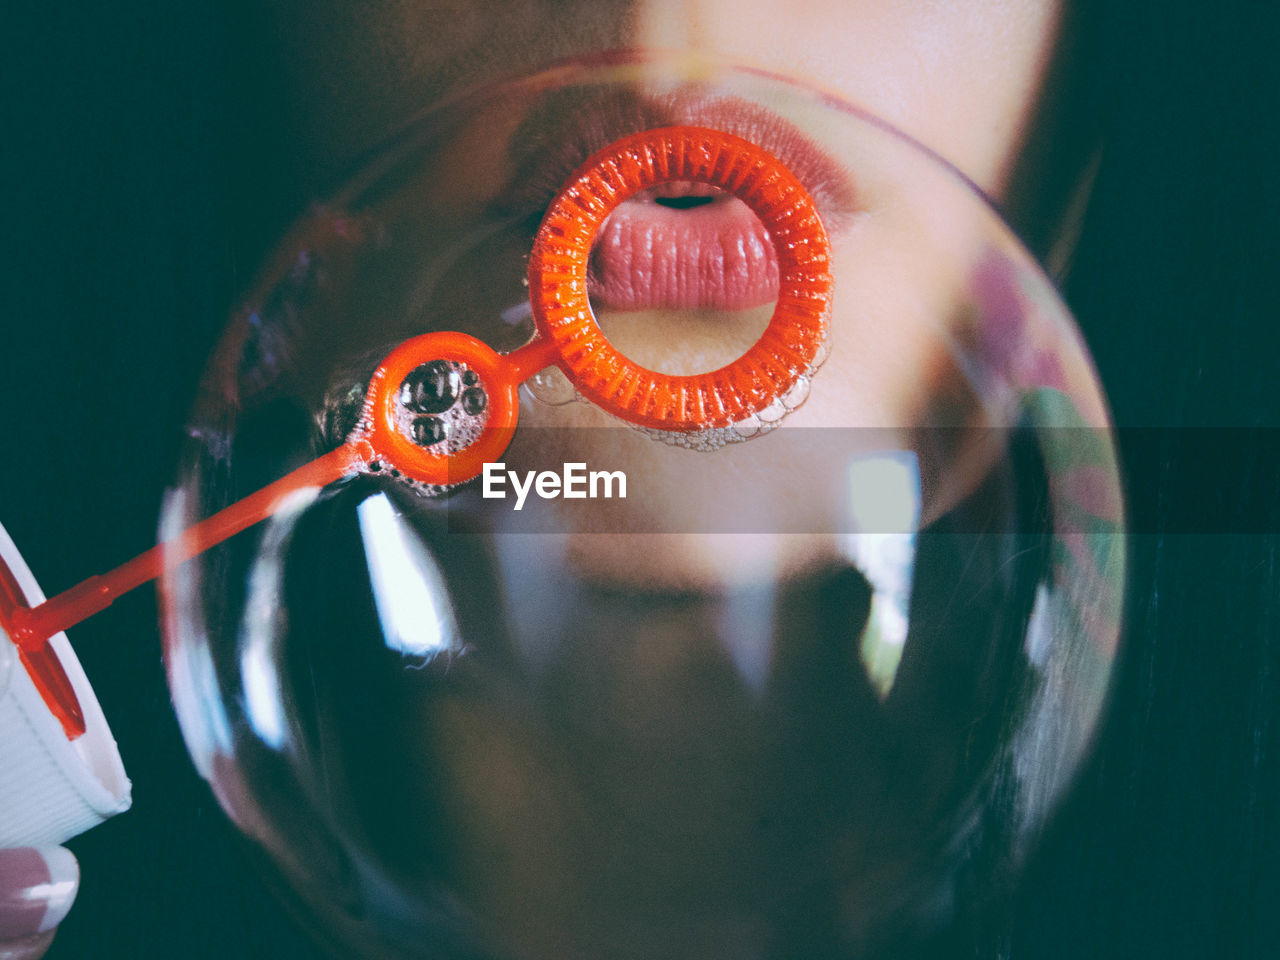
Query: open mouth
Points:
[678, 245]
[683, 245]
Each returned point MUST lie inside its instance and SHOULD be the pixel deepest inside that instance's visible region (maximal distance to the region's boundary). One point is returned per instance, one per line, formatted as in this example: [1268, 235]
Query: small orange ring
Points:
[558, 279]
[422, 463]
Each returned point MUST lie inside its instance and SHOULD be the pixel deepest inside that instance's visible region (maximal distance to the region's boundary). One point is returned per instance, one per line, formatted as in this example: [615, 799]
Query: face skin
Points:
[961, 78]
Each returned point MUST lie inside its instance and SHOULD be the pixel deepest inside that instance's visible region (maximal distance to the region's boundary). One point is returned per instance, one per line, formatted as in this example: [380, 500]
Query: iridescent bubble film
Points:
[798, 687]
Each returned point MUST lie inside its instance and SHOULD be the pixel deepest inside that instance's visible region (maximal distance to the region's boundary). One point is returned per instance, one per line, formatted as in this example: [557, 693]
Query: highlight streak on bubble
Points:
[885, 500]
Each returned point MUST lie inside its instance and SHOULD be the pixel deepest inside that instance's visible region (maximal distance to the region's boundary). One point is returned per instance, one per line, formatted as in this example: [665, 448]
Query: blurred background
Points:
[147, 162]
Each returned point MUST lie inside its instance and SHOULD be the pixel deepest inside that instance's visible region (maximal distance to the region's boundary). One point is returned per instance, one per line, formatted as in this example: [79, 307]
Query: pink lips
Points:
[656, 252]
[683, 245]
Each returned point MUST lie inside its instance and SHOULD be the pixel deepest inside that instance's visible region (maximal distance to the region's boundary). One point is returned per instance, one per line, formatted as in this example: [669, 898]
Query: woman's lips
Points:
[683, 245]
[653, 253]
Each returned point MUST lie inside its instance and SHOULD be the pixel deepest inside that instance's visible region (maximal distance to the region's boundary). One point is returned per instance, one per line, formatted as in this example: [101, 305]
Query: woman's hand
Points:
[37, 888]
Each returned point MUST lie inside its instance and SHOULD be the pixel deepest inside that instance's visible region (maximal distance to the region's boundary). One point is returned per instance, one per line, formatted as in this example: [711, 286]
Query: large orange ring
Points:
[422, 463]
[558, 279]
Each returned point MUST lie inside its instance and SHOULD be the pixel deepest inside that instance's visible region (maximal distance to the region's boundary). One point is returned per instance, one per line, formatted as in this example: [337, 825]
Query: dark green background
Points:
[145, 170]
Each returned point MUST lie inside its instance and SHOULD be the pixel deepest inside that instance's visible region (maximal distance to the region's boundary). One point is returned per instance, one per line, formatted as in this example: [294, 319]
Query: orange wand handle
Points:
[568, 337]
[30, 627]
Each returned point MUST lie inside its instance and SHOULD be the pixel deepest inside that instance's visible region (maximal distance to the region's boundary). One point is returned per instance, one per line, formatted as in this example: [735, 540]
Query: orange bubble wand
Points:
[427, 374]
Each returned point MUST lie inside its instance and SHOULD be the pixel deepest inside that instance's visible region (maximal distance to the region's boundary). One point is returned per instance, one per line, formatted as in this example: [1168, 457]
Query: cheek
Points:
[961, 78]
[351, 75]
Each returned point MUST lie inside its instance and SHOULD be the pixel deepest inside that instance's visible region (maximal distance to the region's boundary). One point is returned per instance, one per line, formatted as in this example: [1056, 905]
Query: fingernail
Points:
[37, 888]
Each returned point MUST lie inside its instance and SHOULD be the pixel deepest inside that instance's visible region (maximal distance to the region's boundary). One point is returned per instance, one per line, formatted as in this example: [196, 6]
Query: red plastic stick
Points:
[567, 336]
[31, 627]
[42, 664]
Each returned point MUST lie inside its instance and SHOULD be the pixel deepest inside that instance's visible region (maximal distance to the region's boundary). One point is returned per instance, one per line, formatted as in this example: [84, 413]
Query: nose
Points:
[671, 24]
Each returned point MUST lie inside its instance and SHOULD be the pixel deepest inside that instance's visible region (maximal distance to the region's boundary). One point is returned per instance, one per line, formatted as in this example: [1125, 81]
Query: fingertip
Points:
[64, 884]
[37, 888]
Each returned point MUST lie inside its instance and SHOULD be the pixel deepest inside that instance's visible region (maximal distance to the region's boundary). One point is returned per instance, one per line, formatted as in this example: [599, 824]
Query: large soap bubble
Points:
[813, 683]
